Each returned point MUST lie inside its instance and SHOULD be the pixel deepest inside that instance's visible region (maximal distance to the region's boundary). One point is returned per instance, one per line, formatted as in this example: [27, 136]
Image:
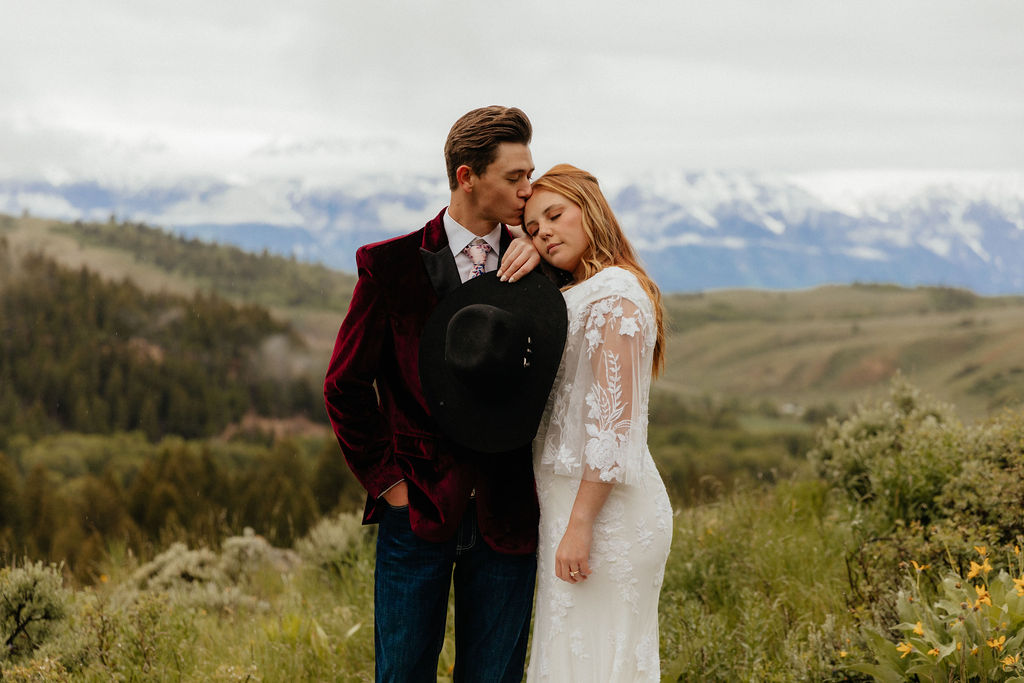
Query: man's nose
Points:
[526, 190]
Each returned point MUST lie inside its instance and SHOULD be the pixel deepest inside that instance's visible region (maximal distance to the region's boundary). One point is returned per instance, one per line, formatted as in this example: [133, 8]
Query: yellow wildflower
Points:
[905, 648]
[919, 629]
[104, 578]
[983, 597]
[974, 650]
[959, 646]
[1010, 660]
[982, 550]
[996, 643]
[1016, 550]
[843, 653]
[1019, 583]
[934, 652]
[920, 567]
[983, 568]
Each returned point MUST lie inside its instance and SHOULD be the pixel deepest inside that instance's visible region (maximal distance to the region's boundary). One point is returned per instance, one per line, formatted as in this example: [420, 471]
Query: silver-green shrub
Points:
[243, 555]
[893, 457]
[33, 603]
[178, 567]
[335, 542]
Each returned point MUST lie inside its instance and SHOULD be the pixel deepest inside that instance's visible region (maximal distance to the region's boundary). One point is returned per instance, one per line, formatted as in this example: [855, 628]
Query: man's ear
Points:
[465, 177]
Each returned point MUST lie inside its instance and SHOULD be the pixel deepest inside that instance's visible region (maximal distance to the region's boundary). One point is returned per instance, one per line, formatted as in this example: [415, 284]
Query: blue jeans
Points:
[493, 600]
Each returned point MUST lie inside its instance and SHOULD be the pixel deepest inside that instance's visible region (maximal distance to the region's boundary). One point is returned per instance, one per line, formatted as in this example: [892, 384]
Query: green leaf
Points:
[880, 673]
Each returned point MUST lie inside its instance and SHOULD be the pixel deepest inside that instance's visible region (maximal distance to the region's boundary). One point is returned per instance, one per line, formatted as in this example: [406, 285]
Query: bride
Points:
[605, 518]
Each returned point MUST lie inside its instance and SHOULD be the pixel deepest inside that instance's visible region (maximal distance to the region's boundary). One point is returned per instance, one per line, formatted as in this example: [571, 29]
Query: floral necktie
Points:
[477, 252]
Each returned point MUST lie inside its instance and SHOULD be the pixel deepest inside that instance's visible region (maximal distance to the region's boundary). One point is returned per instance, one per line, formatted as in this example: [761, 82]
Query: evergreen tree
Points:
[11, 510]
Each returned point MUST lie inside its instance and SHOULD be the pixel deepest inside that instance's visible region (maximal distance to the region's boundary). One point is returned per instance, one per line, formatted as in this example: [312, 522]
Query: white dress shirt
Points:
[459, 238]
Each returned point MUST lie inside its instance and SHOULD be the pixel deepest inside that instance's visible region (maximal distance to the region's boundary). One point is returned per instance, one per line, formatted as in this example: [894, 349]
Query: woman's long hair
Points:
[608, 245]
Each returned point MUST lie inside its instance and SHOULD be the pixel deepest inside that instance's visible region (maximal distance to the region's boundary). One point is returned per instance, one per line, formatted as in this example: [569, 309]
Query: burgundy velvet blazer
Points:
[388, 434]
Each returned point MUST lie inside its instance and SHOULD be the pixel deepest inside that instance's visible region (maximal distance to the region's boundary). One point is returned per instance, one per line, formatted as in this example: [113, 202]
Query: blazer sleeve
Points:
[349, 393]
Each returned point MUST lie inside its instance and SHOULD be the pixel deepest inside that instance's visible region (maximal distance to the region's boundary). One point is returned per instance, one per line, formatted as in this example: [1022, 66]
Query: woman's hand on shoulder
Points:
[519, 259]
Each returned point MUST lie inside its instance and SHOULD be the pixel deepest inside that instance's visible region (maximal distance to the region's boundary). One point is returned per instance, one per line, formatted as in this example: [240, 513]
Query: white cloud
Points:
[39, 203]
[333, 87]
[235, 204]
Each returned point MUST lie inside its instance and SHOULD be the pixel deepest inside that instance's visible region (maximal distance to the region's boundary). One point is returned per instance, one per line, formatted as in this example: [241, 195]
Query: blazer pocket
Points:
[415, 445]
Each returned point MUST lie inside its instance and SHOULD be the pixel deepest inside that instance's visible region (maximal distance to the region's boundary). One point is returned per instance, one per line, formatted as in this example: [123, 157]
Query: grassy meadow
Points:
[844, 462]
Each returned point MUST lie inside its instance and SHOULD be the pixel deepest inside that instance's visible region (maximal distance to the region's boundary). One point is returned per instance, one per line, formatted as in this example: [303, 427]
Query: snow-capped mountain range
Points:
[695, 230]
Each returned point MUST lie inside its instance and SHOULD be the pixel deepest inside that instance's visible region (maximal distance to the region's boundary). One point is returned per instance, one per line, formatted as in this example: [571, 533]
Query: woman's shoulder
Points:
[612, 282]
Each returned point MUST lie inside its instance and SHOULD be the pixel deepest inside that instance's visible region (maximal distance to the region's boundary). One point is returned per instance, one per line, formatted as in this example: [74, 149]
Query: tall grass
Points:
[754, 589]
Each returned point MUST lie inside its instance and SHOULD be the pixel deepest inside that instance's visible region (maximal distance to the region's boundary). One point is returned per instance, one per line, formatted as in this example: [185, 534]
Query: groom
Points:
[445, 514]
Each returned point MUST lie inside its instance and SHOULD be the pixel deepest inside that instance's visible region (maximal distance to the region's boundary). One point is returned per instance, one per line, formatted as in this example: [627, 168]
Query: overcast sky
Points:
[319, 89]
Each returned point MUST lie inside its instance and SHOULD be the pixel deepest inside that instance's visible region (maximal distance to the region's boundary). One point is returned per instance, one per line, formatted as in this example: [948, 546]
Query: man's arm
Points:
[349, 393]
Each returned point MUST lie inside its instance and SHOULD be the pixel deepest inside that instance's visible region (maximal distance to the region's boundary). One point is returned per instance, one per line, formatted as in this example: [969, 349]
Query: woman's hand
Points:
[519, 259]
[572, 559]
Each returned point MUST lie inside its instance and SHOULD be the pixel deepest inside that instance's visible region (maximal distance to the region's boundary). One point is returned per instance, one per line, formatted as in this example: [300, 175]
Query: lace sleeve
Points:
[616, 334]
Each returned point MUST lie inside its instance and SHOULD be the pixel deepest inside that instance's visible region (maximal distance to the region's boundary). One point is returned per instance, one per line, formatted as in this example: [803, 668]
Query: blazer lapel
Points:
[438, 259]
[506, 239]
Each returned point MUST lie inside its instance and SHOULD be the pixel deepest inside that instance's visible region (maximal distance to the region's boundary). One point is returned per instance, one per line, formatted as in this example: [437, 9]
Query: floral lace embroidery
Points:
[608, 436]
[647, 655]
[644, 536]
[561, 603]
[577, 645]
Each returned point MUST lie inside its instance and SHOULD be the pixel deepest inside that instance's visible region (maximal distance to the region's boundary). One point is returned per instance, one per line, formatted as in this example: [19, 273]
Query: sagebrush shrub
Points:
[335, 542]
[242, 555]
[893, 457]
[33, 602]
[179, 566]
[987, 493]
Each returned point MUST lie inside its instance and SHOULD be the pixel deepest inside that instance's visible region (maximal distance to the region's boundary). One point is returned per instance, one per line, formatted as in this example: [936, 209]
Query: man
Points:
[444, 514]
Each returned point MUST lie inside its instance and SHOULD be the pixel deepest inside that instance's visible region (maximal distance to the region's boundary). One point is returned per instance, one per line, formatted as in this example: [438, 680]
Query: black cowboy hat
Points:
[488, 357]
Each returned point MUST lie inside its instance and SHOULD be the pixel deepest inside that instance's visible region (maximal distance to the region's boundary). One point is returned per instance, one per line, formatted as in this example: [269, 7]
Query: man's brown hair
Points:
[474, 138]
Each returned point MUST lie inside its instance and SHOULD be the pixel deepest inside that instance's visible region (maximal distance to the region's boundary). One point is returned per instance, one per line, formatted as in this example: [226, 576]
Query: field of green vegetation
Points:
[845, 464]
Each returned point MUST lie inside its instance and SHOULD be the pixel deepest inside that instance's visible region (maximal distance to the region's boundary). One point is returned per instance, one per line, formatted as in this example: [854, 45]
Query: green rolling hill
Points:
[823, 348]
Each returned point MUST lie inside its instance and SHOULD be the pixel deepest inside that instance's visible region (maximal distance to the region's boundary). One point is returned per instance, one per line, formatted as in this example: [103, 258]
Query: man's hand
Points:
[398, 495]
[520, 258]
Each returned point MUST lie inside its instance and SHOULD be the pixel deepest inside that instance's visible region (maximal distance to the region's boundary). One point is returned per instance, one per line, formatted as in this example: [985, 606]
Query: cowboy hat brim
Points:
[497, 418]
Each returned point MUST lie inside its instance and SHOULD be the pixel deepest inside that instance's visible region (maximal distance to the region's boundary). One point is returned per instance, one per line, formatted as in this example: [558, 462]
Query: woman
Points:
[606, 521]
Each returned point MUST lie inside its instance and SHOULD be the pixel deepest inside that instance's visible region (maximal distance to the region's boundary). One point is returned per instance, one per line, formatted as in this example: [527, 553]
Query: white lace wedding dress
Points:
[595, 427]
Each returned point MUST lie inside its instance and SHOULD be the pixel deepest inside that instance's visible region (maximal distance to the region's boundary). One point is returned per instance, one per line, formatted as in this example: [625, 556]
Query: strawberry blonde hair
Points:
[607, 244]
